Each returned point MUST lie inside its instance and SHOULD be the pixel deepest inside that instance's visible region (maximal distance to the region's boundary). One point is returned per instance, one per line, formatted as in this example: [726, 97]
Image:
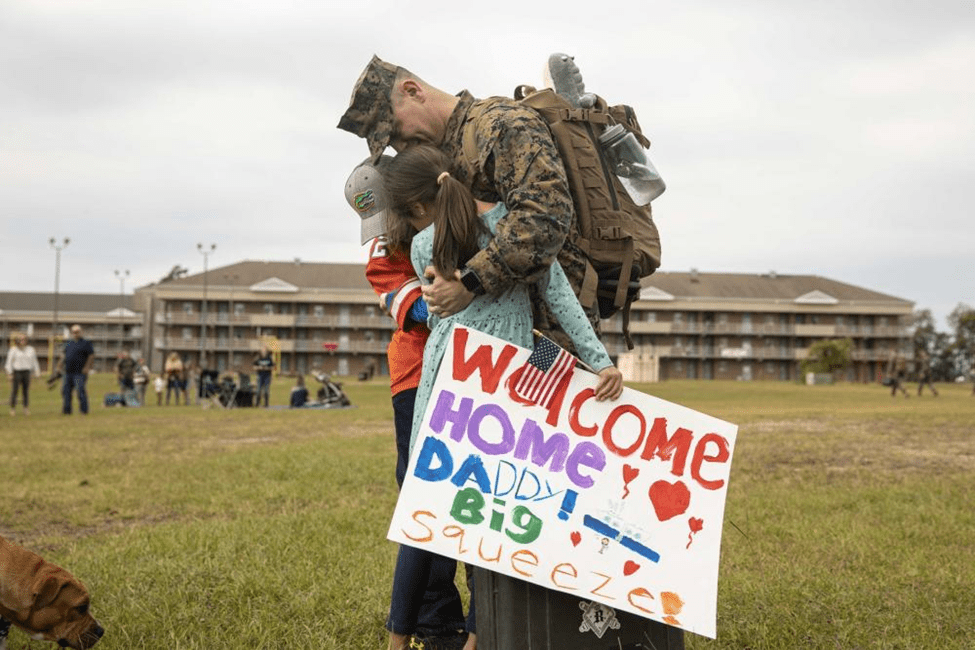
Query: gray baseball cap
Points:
[366, 194]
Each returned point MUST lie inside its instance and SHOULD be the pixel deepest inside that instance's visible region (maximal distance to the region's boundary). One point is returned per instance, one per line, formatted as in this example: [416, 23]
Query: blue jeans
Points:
[263, 388]
[425, 600]
[74, 381]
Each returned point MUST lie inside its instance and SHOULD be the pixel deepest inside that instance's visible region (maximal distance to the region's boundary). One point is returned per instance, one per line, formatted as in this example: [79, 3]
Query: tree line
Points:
[951, 353]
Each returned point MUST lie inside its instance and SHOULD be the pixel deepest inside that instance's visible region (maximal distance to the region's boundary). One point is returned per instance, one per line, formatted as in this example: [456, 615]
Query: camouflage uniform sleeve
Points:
[521, 164]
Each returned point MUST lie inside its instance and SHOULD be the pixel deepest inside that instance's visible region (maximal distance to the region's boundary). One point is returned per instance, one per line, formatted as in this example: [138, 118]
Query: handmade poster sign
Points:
[518, 469]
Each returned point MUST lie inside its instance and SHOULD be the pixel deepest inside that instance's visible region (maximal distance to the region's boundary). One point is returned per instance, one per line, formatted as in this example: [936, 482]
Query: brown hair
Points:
[411, 178]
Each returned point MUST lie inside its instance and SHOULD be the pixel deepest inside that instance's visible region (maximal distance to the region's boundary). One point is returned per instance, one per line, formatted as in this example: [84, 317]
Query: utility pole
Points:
[58, 247]
[205, 252]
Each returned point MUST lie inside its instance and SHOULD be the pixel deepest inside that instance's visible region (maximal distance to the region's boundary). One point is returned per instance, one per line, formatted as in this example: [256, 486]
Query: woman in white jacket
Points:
[21, 364]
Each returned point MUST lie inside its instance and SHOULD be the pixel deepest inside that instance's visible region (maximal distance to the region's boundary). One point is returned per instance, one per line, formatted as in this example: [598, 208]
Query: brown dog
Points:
[44, 600]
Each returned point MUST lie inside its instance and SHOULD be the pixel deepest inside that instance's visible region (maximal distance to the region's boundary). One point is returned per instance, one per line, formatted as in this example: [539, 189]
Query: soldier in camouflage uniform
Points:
[518, 164]
[924, 374]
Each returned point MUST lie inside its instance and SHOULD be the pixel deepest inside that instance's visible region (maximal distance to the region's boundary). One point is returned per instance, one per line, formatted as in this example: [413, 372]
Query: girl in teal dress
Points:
[438, 218]
[451, 226]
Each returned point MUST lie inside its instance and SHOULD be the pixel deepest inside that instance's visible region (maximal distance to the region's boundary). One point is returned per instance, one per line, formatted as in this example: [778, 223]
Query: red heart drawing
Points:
[575, 537]
[630, 473]
[669, 499]
[695, 524]
[630, 567]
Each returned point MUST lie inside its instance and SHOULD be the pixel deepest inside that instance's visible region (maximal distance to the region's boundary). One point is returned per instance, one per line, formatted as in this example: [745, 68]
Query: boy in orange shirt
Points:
[435, 618]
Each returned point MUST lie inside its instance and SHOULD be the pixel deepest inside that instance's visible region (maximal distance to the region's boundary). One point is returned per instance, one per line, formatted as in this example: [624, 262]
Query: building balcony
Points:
[214, 344]
[643, 327]
[890, 332]
[816, 331]
[382, 322]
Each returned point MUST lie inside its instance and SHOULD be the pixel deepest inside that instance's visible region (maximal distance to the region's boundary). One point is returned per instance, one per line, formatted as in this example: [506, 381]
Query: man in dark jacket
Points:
[79, 354]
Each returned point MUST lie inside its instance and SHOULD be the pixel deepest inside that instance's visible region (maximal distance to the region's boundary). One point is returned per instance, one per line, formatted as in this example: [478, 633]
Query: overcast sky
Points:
[828, 138]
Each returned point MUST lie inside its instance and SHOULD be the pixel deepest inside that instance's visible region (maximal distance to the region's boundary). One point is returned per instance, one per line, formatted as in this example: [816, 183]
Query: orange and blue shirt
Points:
[393, 273]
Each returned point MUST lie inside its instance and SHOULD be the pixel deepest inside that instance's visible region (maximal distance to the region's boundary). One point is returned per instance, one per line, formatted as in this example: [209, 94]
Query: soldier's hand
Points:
[445, 296]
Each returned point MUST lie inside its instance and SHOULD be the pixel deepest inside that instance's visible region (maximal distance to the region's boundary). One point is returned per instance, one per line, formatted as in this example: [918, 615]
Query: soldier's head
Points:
[391, 106]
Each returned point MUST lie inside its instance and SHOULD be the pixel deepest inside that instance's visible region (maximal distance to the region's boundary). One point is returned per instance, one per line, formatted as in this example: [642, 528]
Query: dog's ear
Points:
[47, 591]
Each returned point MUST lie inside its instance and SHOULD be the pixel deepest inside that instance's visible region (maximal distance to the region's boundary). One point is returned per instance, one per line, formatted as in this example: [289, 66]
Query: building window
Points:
[678, 317]
[284, 308]
[651, 317]
[369, 336]
[722, 367]
[269, 308]
[370, 311]
[239, 309]
[319, 311]
[187, 308]
[723, 318]
[187, 333]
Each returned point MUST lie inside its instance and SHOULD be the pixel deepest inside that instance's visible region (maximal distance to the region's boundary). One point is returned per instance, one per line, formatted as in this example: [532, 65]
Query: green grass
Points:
[849, 521]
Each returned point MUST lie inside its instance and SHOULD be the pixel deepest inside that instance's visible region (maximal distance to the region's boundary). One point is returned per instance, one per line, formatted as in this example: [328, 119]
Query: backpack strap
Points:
[626, 324]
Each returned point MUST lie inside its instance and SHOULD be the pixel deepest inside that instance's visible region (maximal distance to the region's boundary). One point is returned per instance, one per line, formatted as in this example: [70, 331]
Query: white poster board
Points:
[616, 502]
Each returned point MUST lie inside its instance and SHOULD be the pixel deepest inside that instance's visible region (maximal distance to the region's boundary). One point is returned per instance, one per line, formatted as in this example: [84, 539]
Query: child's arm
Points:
[568, 311]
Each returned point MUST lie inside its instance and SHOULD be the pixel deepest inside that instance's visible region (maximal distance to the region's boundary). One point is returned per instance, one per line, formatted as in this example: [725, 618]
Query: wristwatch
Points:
[471, 282]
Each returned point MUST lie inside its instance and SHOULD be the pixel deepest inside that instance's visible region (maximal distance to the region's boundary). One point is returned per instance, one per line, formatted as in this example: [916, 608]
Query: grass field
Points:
[850, 520]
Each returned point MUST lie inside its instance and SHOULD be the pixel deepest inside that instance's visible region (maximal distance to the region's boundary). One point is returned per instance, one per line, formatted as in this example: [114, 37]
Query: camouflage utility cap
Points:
[370, 114]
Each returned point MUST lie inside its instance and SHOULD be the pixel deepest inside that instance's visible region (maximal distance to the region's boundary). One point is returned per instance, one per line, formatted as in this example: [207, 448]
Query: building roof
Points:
[809, 289]
[11, 301]
[271, 275]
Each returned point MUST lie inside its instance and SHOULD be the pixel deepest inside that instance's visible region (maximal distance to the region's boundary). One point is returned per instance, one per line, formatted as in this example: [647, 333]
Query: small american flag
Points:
[543, 372]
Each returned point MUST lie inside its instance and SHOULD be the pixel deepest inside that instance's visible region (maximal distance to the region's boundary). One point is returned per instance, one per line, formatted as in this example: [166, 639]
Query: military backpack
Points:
[619, 238]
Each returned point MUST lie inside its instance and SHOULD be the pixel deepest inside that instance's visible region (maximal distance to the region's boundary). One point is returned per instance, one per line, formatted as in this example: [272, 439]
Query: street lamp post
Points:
[232, 280]
[121, 275]
[203, 328]
[58, 247]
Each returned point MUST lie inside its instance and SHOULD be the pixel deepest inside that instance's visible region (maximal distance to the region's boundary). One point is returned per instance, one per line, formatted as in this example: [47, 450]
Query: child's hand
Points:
[610, 385]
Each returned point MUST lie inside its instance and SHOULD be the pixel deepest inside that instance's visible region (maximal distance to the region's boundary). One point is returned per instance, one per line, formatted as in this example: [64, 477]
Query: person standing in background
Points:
[21, 364]
[174, 375]
[264, 366]
[79, 355]
[924, 373]
[141, 379]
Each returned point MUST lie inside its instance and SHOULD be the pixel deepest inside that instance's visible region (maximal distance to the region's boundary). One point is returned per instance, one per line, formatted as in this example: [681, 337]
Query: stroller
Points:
[330, 395]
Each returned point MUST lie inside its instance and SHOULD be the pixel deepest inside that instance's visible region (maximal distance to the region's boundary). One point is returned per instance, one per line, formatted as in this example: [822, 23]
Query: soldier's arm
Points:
[521, 158]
